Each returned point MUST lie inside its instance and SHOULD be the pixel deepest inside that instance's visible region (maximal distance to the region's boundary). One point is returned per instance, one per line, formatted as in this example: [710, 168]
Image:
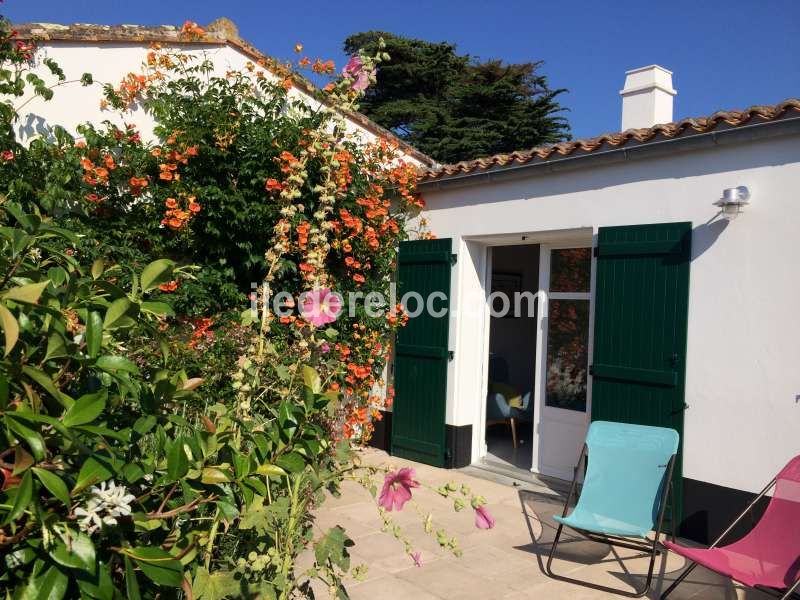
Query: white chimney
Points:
[647, 97]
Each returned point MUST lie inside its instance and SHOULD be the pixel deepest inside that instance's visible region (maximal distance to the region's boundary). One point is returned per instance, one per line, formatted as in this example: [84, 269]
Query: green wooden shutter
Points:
[421, 354]
[641, 308]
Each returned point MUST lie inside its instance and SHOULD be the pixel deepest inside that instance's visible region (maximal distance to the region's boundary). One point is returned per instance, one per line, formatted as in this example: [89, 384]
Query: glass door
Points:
[562, 395]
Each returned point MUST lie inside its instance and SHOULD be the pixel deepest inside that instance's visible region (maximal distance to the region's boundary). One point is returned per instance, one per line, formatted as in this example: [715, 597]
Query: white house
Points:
[658, 302]
[110, 52]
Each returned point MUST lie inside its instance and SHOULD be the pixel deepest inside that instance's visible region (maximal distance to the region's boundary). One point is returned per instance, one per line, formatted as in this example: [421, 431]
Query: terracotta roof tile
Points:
[684, 127]
[220, 33]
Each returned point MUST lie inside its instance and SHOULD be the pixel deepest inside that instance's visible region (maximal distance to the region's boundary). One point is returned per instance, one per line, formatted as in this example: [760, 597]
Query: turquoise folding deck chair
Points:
[628, 478]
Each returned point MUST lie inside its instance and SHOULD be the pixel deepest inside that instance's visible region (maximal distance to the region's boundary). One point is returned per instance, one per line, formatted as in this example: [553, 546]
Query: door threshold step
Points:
[520, 478]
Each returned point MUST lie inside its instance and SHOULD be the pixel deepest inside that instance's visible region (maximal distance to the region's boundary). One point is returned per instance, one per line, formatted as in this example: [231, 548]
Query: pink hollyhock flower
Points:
[362, 81]
[325, 347]
[321, 306]
[353, 66]
[397, 489]
[417, 558]
[483, 520]
[7, 155]
[354, 69]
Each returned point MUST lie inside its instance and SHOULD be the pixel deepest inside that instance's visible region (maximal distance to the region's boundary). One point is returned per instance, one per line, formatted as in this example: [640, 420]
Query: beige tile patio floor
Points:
[502, 563]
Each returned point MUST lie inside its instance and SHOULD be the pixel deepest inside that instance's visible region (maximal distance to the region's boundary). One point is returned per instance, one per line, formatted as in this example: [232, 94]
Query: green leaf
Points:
[158, 308]
[57, 275]
[15, 210]
[116, 363]
[56, 347]
[96, 583]
[123, 435]
[213, 586]
[97, 268]
[10, 328]
[227, 511]
[131, 584]
[333, 547]
[286, 414]
[177, 461]
[283, 372]
[258, 517]
[248, 317]
[75, 551]
[132, 472]
[60, 232]
[270, 470]
[214, 475]
[158, 565]
[140, 521]
[22, 460]
[94, 334]
[311, 379]
[31, 437]
[116, 313]
[22, 498]
[156, 273]
[26, 293]
[94, 470]
[144, 424]
[44, 380]
[292, 462]
[54, 484]
[86, 409]
[52, 585]
[111, 289]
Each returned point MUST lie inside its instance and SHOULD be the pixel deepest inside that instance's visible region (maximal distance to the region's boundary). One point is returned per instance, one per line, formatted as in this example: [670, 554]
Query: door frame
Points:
[540, 391]
[483, 448]
[567, 238]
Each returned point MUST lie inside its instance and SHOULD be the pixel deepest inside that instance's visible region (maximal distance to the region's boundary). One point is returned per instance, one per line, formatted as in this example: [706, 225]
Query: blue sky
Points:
[724, 54]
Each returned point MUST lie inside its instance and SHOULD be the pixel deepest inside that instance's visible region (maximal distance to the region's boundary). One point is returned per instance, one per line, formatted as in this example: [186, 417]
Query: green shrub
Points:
[149, 454]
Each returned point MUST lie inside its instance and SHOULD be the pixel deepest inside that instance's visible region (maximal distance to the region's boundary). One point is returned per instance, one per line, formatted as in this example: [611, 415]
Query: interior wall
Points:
[514, 338]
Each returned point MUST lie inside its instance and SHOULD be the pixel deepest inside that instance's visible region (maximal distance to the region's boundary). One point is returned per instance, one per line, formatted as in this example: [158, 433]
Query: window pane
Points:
[567, 354]
[570, 270]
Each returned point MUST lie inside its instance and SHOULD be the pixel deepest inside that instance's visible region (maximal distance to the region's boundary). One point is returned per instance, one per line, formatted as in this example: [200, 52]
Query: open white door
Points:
[562, 410]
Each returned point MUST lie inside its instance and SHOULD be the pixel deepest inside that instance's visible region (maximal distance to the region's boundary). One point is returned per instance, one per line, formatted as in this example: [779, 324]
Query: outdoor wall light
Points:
[732, 201]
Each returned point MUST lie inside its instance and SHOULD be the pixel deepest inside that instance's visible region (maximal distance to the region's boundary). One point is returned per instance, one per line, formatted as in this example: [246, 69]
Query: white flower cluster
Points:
[104, 506]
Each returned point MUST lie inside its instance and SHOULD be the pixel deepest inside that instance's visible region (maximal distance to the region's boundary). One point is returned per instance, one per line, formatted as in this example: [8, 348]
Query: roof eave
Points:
[651, 149]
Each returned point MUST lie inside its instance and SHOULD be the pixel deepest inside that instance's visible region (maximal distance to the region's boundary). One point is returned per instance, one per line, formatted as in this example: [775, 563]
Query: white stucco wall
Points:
[108, 62]
[742, 378]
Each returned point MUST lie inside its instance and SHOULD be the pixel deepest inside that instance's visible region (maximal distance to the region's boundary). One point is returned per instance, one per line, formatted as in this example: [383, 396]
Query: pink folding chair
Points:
[767, 558]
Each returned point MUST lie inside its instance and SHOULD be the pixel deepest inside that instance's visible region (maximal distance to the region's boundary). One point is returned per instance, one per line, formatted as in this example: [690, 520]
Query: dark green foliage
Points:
[456, 107]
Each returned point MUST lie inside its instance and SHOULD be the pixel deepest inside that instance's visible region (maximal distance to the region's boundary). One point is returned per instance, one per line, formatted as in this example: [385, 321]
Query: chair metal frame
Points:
[791, 592]
[616, 540]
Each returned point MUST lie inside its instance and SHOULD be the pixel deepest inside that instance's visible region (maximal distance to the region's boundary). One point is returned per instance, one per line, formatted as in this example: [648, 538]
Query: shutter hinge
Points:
[450, 355]
[596, 251]
[680, 410]
[591, 370]
[453, 259]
